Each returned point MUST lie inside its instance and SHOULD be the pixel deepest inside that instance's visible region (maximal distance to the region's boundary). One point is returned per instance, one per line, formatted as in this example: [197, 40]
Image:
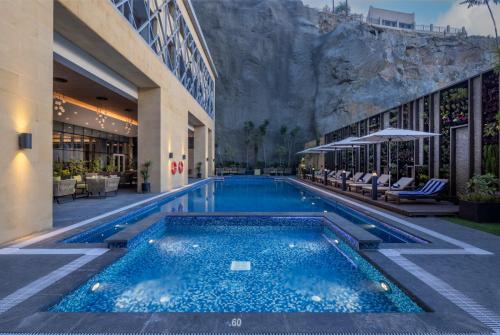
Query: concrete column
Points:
[151, 140]
[211, 151]
[421, 128]
[437, 129]
[26, 56]
[201, 149]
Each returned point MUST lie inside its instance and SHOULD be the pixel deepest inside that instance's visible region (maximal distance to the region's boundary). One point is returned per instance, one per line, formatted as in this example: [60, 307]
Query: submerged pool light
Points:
[95, 287]
[385, 286]
[151, 241]
[316, 298]
[164, 299]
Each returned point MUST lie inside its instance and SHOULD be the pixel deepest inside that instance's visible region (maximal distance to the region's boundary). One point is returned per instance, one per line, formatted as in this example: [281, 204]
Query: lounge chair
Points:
[364, 181]
[401, 184]
[357, 177]
[382, 180]
[430, 190]
[334, 176]
[338, 178]
[63, 188]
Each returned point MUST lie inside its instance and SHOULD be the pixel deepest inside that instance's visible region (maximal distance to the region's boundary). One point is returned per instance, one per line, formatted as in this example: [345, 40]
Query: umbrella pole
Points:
[389, 163]
[352, 165]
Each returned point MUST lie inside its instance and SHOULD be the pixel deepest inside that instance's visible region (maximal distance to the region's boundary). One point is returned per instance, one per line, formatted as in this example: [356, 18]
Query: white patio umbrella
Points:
[320, 149]
[350, 142]
[394, 135]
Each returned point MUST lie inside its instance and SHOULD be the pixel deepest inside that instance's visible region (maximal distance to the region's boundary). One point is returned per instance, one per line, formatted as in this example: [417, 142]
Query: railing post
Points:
[325, 178]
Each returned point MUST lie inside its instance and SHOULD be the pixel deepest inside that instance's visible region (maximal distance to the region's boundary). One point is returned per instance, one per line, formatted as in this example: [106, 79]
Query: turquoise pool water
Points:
[247, 194]
[244, 264]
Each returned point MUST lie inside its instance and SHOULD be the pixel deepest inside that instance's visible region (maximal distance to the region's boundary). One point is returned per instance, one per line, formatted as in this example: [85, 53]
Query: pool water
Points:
[247, 194]
[186, 264]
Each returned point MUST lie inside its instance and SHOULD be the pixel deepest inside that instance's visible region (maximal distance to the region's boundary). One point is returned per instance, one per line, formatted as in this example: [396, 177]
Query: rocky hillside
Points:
[274, 64]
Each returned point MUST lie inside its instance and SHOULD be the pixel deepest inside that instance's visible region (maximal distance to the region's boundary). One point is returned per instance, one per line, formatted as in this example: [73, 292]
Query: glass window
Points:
[56, 140]
[68, 128]
[77, 142]
[58, 126]
[78, 130]
[67, 142]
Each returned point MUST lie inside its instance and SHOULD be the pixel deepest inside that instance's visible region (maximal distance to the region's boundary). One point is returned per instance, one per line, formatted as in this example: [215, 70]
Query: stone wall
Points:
[275, 64]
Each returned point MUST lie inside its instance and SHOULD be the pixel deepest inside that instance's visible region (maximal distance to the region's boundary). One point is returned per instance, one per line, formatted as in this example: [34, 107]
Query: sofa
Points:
[63, 188]
[101, 186]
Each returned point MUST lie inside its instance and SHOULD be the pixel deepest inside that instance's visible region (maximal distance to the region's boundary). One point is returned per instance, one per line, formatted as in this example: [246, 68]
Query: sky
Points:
[476, 20]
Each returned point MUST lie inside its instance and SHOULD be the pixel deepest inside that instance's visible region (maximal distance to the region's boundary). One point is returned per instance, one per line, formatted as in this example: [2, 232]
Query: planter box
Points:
[483, 212]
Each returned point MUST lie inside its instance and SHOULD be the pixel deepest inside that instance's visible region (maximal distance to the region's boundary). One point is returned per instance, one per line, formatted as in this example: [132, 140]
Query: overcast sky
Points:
[476, 20]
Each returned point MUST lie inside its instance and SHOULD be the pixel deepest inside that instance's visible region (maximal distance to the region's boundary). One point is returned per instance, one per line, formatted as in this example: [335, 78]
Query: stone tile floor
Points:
[472, 276]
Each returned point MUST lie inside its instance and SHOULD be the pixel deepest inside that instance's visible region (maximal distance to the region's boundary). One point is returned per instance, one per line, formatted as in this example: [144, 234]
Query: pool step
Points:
[352, 234]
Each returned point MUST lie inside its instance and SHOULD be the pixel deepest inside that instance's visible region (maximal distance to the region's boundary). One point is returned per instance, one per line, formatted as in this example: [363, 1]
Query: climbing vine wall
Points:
[490, 124]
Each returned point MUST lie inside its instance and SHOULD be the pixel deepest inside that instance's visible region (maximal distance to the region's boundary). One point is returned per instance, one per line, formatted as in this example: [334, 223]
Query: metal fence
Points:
[161, 24]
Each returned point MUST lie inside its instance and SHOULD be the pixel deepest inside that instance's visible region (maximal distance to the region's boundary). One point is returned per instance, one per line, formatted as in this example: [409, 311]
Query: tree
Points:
[473, 3]
[342, 7]
[261, 136]
[289, 139]
[281, 152]
[248, 128]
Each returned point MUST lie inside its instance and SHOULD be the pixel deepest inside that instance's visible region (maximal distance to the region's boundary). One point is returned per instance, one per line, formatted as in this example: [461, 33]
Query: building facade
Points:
[391, 18]
[465, 114]
[109, 83]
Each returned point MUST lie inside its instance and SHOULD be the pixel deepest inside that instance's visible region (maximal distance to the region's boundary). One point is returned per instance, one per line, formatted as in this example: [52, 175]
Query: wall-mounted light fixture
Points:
[25, 140]
[183, 157]
[171, 155]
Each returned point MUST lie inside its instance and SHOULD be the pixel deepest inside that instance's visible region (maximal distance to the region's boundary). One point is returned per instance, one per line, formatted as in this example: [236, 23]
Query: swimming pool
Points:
[249, 264]
[246, 194]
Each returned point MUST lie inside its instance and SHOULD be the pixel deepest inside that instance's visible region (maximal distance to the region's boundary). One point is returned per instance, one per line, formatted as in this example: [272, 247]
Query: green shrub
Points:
[481, 188]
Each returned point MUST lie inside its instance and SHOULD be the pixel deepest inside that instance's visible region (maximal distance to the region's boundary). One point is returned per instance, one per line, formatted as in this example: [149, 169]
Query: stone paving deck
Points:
[464, 259]
[423, 207]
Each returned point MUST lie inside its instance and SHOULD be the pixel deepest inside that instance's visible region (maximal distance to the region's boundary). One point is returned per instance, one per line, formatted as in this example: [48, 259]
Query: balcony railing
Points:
[161, 24]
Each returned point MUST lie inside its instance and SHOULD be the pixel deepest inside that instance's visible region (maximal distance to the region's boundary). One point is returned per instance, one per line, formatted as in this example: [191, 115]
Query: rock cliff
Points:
[274, 64]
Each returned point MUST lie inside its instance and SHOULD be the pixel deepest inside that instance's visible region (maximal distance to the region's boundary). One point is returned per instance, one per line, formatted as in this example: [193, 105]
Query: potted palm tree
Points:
[146, 186]
[480, 201]
[198, 170]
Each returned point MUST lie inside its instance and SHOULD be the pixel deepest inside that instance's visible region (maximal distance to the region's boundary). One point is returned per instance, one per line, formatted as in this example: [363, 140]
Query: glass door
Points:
[119, 162]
